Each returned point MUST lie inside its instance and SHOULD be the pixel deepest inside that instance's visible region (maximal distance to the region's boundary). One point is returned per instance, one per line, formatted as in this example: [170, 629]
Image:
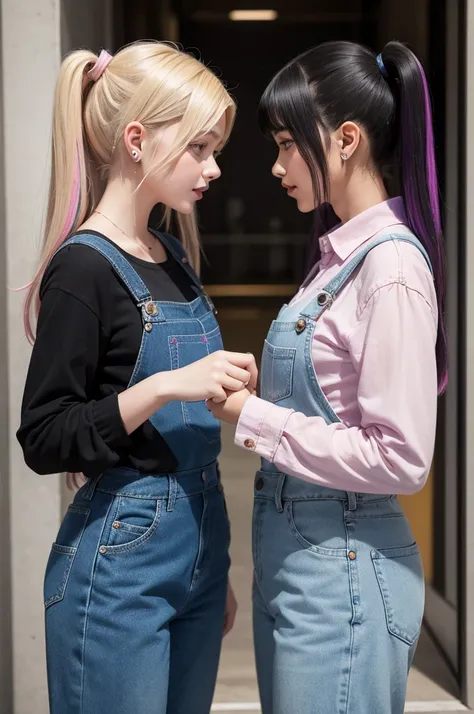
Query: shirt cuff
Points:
[261, 426]
[109, 424]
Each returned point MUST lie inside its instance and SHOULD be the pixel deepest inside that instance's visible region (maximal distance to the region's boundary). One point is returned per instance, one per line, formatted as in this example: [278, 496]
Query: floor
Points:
[431, 686]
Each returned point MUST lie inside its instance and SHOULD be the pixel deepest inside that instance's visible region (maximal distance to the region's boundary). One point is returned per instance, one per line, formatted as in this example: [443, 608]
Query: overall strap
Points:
[328, 294]
[119, 263]
[175, 247]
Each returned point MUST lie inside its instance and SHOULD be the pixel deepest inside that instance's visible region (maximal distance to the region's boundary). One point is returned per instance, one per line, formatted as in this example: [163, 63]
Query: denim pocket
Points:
[184, 350]
[276, 380]
[63, 552]
[318, 525]
[399, 573]
[135, 521]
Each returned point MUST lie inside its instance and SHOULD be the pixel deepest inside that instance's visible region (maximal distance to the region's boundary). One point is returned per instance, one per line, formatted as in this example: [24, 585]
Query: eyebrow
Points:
[215, 134]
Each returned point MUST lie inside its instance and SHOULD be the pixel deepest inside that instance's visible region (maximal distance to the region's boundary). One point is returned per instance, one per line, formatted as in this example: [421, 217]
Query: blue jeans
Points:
[135, 595]
[338, 599]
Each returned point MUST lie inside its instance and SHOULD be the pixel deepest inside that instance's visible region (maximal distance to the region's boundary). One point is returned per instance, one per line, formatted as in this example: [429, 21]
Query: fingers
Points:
[240, 359]
[246, 361]
[233, 385]
[218, 396]
[74, 481]
[230, 616]
[70, 478]
[242, 375]
[253, 370]
[228, 623]
[230, 611]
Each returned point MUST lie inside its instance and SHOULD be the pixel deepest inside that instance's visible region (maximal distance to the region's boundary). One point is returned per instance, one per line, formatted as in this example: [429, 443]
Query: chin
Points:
[305, 206]
[185, 207]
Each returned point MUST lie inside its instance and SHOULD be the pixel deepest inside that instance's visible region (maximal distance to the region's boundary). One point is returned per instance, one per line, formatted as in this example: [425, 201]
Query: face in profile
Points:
[295, 176]
[190, 175]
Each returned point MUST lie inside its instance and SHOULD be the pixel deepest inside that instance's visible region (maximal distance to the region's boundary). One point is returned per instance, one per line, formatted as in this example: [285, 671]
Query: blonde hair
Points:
[149, 82]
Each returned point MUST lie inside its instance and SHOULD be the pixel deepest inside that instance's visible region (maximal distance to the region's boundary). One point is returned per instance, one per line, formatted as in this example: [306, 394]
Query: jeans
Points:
[135, 593]
[338, 599]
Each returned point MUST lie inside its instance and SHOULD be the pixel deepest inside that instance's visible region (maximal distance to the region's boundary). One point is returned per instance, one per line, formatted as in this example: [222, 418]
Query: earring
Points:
[135, 155]
[344, 156]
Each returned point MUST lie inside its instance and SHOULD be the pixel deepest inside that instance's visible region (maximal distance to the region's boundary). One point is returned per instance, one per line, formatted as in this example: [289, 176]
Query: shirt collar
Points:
[345, 238]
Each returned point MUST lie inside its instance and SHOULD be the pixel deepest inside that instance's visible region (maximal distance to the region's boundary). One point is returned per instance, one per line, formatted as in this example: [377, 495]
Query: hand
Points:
[230, 410]
[74, 481]
[210, 377]
[230, 610]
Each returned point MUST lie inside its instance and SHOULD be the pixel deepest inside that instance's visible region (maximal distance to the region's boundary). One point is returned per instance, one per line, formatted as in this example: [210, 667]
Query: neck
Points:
[126, 206]
[362, 191]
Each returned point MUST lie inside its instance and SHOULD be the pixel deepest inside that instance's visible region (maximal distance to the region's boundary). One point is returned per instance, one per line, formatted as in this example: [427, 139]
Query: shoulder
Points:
[396, 262]
[81, 271]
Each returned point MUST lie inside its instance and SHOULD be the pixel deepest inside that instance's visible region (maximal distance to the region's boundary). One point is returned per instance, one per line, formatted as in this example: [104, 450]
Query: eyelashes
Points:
[199, 148]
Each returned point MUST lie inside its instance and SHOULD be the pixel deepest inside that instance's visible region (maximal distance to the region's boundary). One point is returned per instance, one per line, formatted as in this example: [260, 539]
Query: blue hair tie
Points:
[382, 67]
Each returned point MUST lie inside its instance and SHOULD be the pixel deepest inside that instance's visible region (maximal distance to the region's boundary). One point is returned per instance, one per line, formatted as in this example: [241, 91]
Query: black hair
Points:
[386, 95]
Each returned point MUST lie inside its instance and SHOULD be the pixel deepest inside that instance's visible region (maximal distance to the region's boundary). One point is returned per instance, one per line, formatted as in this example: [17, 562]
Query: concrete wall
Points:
[34, 34]
[30, 46]
[5, 567]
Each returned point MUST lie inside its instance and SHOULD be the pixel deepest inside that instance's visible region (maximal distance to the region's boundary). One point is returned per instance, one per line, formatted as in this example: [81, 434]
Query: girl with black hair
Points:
[345, 419]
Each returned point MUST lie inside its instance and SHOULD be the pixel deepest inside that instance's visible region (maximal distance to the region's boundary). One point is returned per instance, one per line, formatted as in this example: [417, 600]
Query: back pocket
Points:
[401, 581]
[63, 552]
[276, 379]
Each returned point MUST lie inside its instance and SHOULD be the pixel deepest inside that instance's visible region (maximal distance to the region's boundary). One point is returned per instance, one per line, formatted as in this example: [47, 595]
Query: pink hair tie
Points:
[103, 61]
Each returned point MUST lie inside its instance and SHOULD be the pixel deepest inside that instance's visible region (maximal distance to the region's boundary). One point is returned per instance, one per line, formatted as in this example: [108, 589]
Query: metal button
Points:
[259, 484]
[249, 444]
[151, 308]
[148, 327]
[352, 555]
[323, 298]
[115, 524]
[184, 260]
[102, 549]
[300, 325]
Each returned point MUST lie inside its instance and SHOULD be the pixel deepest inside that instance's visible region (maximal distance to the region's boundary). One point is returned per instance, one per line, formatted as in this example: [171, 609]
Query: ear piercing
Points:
[135, 155]
[344, 156]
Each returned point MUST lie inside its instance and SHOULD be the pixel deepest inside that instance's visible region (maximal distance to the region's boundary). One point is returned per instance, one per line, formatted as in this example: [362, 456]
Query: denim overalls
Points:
[135, 586]
[338, 584]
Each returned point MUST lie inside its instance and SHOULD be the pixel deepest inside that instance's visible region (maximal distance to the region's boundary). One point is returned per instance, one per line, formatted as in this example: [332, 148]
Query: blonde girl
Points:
[127, 350]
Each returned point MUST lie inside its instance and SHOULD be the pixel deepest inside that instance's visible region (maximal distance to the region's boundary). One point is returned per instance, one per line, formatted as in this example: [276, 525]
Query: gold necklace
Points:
[123, 232]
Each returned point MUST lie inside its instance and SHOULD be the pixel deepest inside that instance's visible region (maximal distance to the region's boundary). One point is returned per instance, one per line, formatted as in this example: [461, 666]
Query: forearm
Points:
[140, 402]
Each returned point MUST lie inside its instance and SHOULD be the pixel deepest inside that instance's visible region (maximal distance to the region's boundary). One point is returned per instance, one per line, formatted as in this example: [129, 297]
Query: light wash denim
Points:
[338, 580]
[136, 582]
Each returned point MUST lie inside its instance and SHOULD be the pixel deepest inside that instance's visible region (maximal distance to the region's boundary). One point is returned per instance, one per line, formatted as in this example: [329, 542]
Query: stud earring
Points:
[344, 156]
[135, 155]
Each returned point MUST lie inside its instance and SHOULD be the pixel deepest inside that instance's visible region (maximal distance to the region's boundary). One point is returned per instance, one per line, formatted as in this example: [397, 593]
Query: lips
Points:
[289, 189]
[199, 192]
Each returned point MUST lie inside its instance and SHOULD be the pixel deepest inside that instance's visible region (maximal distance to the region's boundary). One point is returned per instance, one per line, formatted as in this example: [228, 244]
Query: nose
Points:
[211, 171]
[277, 170]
